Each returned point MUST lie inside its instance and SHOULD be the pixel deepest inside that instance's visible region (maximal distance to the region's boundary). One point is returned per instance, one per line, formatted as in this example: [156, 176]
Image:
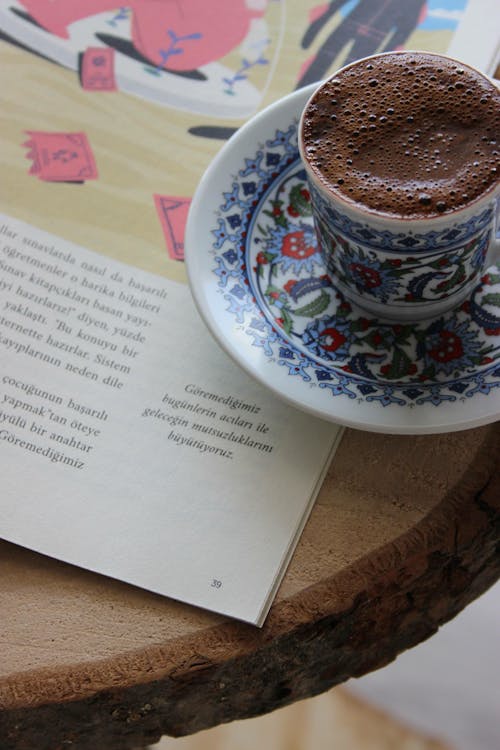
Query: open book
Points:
[131, 445]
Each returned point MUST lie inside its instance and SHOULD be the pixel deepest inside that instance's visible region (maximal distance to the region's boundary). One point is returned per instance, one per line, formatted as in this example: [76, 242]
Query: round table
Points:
[404, 534]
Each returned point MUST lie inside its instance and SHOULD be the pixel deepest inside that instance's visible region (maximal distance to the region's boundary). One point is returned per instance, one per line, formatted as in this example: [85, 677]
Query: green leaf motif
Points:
[491, 299]
[281, 221]
[399, 366]
[298, 202]
[314, 308]
[438, 264]
[403, 335]
[271, 289]
[457, 278]
[429, 372]
[287, 321]
[277, 214]
[360, 324]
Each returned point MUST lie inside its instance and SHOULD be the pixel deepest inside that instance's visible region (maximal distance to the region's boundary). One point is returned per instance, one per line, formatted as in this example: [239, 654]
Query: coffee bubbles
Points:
[410, 134]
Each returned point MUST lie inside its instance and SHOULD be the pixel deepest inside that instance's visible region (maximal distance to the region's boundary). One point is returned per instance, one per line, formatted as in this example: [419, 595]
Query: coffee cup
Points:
[402, 156]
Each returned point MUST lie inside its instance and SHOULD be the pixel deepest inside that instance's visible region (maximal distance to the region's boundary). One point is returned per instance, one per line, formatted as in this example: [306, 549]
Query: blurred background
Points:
[441, 695]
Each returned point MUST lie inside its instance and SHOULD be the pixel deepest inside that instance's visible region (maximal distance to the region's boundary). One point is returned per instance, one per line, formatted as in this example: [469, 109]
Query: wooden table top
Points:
[404, 534]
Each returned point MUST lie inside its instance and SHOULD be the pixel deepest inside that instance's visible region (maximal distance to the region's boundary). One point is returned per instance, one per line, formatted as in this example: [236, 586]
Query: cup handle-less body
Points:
[399, 268]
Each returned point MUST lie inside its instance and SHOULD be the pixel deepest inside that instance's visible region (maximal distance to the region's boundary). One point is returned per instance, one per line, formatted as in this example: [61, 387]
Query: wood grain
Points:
[405, 533]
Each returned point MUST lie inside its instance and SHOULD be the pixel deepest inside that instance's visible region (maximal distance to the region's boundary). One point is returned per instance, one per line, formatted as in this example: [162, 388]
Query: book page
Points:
[130, 444]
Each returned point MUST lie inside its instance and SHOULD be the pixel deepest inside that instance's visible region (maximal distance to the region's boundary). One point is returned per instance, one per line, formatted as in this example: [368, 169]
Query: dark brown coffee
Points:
[407, 134]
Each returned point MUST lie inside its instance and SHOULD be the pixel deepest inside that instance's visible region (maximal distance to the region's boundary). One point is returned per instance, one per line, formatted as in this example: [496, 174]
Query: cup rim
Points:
[366, 210]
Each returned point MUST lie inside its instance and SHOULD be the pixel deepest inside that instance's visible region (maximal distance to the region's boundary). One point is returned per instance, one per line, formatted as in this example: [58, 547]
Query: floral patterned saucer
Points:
[262, 288]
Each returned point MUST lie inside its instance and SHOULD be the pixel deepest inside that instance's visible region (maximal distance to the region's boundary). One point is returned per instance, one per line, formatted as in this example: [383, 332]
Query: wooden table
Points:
[404, 534]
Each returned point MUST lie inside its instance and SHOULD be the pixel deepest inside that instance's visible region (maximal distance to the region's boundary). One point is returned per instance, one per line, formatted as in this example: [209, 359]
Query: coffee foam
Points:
[411, 134]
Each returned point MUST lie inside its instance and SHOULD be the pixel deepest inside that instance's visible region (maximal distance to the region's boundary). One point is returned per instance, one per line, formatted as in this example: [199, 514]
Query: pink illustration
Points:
[306, 65]
[173, 212]
[169, 33]
[56, 15]
[98, 69]
[61, 157]
[317, 11]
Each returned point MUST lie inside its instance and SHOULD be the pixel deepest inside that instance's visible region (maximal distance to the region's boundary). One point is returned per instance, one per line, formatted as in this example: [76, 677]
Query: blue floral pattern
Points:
[397, 241]
[378, 275]
[277, 288]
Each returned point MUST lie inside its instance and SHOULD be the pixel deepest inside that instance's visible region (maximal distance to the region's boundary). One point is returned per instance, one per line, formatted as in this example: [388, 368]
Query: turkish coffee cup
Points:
[402, 159]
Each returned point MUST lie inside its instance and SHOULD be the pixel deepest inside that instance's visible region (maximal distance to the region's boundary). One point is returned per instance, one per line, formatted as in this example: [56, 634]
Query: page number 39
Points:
[216, 584]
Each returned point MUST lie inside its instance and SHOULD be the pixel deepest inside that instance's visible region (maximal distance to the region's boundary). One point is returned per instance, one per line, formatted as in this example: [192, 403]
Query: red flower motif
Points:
[449, 347]
[443, 262]
[486, 278]
[274, 295]
[261, 259]
[369, 277]
[331, 339]
[277, 211]
[289, 285]
[280, 321]
[292, 211]
[305, 194]
[294, 246]
[395, 262]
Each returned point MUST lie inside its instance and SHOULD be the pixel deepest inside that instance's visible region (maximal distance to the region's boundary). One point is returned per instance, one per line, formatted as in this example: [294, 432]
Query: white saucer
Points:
[261, 287]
